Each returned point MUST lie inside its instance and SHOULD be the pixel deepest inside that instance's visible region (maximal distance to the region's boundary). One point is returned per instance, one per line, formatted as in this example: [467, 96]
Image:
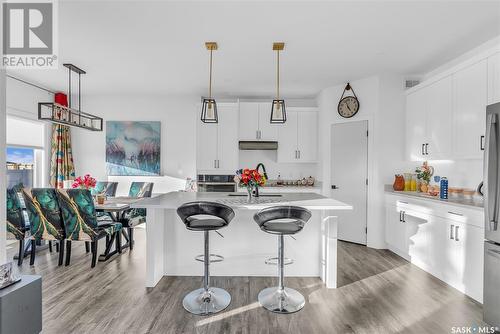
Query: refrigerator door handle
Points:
[491, 191]
[451, 232]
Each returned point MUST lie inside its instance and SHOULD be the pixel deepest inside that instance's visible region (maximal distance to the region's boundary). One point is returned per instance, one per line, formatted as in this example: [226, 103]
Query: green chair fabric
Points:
[79, 215]
[141, 189]
[16, 223]
[106, 188]
[44, 214]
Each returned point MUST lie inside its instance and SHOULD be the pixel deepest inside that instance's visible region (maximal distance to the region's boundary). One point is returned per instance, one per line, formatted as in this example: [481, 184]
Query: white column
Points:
[155, 245]
[329, 225]
[2, 150]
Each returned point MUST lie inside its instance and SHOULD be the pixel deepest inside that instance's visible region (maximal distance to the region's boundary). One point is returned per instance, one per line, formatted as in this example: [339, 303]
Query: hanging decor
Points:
[209, 106]
[65, 114]
[278, 113]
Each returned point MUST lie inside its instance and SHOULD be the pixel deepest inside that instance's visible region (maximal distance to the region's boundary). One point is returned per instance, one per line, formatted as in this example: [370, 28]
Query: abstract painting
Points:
[133, 148]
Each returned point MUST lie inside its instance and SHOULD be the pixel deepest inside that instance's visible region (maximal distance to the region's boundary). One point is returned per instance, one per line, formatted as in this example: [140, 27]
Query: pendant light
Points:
[278, 113]
[209, 107]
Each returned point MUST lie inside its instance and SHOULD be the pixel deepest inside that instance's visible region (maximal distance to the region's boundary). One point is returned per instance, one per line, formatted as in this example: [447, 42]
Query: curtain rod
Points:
[30, 84]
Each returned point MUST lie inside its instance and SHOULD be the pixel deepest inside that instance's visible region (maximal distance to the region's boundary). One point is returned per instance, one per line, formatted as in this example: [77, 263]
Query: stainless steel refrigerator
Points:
[491, 300]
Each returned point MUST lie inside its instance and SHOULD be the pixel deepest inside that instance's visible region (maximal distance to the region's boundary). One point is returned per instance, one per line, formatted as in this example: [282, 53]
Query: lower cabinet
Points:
[449, 249]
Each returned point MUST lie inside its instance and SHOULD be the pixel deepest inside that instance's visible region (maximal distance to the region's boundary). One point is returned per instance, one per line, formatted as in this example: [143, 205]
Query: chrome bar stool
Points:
[206, 217]
[282, 221]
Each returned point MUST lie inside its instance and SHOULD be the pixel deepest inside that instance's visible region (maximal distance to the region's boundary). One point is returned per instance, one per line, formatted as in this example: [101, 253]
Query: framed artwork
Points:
[133, 148]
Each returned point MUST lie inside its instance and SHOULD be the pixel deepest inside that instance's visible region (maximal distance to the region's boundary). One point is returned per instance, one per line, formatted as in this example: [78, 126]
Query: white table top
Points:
[309, 201]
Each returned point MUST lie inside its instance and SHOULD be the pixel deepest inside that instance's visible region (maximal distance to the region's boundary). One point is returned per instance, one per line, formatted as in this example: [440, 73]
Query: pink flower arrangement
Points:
[87, 182]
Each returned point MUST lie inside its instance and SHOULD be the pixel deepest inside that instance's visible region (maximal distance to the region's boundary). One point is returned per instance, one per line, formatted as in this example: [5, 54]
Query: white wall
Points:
[3, 226]
[178, 138]
[382, 105]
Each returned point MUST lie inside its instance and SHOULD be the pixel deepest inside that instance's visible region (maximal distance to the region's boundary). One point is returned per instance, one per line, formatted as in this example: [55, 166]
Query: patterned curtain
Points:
[61, 161]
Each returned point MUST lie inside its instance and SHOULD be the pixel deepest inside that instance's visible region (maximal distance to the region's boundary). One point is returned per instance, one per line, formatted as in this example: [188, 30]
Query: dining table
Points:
[116, 208]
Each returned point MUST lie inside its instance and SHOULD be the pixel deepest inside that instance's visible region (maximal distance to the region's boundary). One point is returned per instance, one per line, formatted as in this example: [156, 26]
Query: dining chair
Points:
[136, 216]
[16, 223]
[45, 219]
[81, 223]
[105, 188]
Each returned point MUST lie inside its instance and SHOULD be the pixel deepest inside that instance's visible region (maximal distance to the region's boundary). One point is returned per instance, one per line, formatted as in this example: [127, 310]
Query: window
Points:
[20, 166]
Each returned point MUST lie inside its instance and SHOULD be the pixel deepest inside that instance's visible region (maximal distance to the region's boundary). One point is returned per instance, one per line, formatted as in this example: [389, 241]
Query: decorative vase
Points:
[249, 193]
[399, 183]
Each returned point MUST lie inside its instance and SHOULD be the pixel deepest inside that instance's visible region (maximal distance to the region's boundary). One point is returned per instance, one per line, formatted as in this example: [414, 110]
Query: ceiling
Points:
[158, 47]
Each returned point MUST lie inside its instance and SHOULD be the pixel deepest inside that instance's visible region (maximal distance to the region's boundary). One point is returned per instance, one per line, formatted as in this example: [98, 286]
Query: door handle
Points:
[481, 143]
[490, 213]
[256, 134]
[456, 233]
[451, 232]
[334, 187]
[400, 216]
[423, 146]
[426, 147]
[299, 153]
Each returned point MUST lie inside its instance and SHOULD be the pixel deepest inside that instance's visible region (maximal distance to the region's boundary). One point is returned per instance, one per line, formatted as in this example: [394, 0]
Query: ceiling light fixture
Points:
[278, 113]
[209, 106]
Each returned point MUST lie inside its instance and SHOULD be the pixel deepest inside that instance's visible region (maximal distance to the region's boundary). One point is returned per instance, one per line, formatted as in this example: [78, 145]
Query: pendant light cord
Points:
[210, 77]
[278, 76]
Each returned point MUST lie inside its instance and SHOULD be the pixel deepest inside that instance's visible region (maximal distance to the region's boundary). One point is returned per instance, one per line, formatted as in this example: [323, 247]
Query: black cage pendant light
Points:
[278, 113]
[209, 106]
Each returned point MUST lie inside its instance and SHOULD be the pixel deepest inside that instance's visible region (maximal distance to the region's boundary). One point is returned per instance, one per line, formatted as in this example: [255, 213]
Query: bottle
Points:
[413, 182]
[443, 191]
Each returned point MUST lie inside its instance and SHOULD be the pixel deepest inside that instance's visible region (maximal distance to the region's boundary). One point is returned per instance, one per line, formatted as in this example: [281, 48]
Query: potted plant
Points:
[424, 174]
[251, 179]
[85, 182]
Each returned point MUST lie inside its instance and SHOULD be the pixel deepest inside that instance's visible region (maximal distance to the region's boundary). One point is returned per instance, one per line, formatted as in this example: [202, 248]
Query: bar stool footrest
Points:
[213, 258]
[273, 261]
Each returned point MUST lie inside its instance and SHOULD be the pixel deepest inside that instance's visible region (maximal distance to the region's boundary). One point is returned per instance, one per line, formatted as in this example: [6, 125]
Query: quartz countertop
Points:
[311, 201]
[454, 200]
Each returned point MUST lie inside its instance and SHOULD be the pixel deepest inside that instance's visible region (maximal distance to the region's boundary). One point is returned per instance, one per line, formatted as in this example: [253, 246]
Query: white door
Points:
[349, 177]
[249, 121]
[287, 139]
[470, 91]
[307, 141]
[267, 130]
[439, 119]
[416, 115]
[227, 139]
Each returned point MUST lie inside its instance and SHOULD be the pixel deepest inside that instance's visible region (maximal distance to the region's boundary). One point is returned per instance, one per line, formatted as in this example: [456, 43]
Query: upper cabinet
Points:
[494, 78]
[428, 121]
[470, 100]
[255, 123]
[295, 142]
[217, 144]
[446, 119]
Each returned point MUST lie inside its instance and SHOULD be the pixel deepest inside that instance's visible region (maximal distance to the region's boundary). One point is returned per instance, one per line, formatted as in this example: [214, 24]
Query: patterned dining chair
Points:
[106, 188]
[16, 223]
[134, 217]
[45, 219]
[81, 223]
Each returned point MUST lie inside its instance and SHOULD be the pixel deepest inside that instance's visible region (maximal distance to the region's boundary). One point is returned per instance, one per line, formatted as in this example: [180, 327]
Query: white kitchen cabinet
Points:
[494, 78]
[254, 122]
[428, 121]
[443, 240]
[469, 116]
[295, 140]
[217, 144]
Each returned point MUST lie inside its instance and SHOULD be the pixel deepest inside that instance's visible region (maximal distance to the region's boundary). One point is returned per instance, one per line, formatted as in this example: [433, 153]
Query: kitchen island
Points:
[171, 248]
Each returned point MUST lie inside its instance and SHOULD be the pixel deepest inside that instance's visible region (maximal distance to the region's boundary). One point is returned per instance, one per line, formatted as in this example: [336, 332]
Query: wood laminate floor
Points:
[378, 293]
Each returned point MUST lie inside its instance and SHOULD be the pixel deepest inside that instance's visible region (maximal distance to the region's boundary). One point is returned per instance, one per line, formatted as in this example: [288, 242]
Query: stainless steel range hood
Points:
[258, 145]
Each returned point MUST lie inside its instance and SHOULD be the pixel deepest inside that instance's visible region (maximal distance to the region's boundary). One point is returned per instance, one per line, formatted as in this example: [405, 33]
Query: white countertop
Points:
[311, 201]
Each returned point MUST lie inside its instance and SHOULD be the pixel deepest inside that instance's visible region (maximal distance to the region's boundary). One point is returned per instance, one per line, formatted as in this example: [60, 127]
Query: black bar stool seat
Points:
[281, 221]
[206, 217]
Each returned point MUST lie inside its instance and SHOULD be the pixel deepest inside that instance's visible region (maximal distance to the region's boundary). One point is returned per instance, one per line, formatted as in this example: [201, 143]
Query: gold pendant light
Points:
[209, 106]
[278, 113]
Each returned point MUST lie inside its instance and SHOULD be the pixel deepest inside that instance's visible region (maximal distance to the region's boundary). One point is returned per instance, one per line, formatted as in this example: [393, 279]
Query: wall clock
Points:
[349, 105]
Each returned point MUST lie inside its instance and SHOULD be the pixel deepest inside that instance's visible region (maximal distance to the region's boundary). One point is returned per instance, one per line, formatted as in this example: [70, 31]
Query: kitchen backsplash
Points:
[289, 171]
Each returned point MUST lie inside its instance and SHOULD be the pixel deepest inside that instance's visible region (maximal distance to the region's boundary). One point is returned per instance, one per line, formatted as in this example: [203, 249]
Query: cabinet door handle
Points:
[455, 213]
[296, 154]
[481, 143]
[299, 153]
[403, 202]
[451, 231]
[426, 149]
[456, 233]
[400, 216]
[423, 146]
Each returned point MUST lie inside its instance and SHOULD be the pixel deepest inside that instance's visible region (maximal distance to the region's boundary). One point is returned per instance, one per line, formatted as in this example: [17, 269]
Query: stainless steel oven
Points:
[216, 183]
